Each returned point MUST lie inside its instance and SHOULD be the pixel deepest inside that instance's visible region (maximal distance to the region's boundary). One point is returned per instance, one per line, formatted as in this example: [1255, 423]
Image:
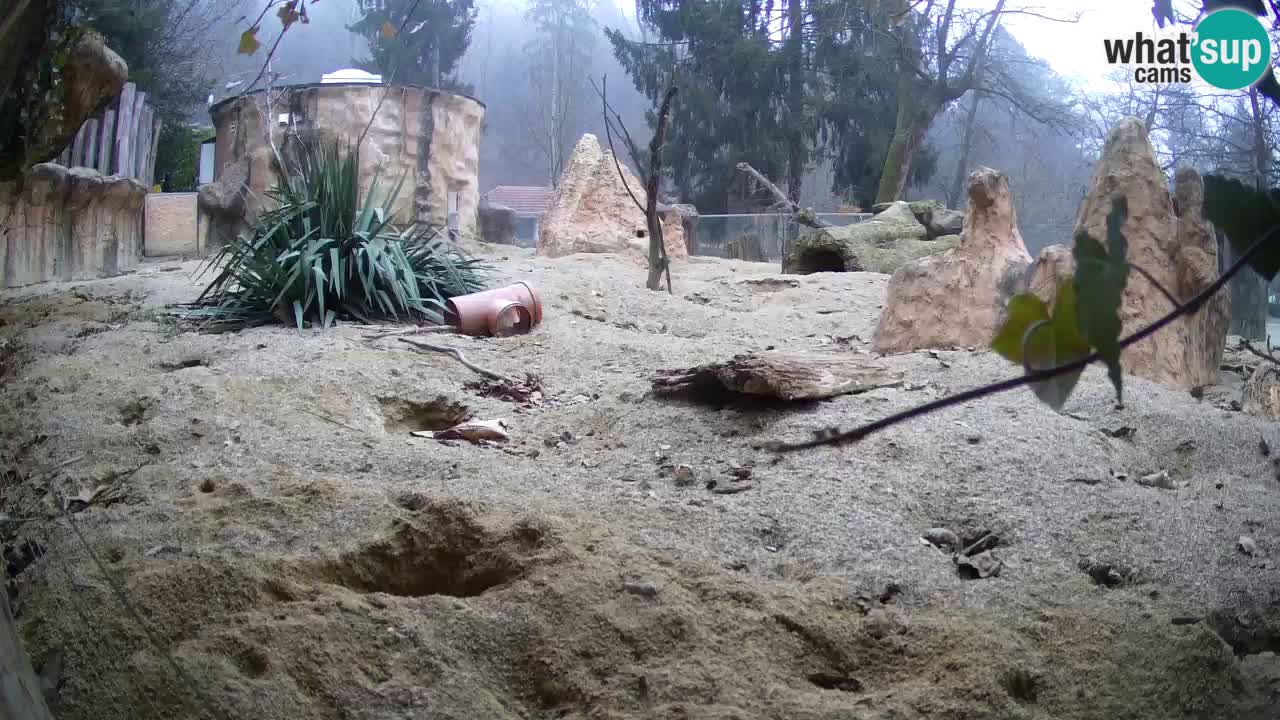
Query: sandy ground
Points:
[297, 553]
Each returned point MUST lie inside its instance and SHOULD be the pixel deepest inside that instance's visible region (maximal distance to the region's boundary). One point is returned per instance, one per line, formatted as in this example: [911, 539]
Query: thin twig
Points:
[608, 134]
[414, 331]
[1191, 307]
[1265, 356]
[457, 355]
[328, 419]
[1155, 283]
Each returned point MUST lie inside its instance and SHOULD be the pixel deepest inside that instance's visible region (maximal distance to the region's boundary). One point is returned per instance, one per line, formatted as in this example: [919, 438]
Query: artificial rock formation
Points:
[69, 225]
[1179, 251]
[592, 212]
[428, 138]
[956, 299]
[891, 239]
[48, 108]
[937, 219]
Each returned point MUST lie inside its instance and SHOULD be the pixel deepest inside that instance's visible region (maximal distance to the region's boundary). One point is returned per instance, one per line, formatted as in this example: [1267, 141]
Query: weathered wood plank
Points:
[77, 147]
[91, 143]
[135, 142]
[144, 141]
[124, 121]
[156, 127]
[107, 140]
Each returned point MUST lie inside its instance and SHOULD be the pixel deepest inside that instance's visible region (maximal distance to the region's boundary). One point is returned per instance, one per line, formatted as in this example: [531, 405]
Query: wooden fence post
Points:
[124, 121]
[107, 142]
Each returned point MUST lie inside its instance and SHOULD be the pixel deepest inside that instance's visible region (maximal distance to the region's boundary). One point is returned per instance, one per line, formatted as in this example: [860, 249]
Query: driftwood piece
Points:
[784, 376]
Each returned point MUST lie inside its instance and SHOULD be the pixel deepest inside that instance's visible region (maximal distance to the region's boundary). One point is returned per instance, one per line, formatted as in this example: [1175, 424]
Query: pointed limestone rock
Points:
[593, 212]
[957, 298]
[1178, 250]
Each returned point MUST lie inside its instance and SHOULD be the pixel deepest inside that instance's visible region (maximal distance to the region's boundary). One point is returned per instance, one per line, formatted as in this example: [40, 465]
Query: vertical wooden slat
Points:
[142, 141]
[156, 126]
[91, 143]
[77, 147]
[107, 141]
[120, 163]
[139, 104]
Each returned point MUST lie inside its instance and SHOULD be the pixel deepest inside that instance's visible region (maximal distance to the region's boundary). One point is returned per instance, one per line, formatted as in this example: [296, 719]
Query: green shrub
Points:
[320, 255]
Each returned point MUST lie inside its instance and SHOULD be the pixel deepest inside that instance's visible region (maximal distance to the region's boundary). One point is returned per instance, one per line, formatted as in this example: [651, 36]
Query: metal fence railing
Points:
[755, 236]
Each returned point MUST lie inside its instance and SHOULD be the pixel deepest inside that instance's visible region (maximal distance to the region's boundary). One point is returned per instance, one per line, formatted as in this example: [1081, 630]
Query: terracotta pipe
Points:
[514, 309]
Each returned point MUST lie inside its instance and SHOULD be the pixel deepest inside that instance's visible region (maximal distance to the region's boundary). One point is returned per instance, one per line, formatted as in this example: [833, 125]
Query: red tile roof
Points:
[525, 200]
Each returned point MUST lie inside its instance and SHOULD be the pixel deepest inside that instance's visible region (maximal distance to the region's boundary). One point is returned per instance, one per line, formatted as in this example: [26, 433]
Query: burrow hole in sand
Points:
[443, 550]
[404, 416]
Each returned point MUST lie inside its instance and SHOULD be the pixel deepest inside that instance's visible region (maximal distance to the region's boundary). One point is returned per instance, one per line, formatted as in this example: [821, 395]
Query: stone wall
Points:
[174, 225]
[428, 137]
[75, 224]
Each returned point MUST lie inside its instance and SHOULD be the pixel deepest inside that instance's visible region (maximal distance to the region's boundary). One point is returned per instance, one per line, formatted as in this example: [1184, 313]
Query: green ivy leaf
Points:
[1245, 215]
[1101, 273]
[1023, 311]
[1036, 340]
[249, 42]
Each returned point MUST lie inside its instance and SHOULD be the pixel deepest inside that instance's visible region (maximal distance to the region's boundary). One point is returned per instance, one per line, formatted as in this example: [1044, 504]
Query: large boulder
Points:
[956, 299]
[1178, 250]
[497, 223]
[883, 244]
[593, 212]
[937, 219]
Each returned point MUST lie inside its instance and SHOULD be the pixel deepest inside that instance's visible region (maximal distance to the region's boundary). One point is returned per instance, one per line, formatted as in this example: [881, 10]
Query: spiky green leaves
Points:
[324, 253]
[1245, 215]
[1085, 318]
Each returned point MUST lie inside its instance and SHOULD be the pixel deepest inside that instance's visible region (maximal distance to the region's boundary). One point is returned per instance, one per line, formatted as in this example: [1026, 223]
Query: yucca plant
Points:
[320, 255]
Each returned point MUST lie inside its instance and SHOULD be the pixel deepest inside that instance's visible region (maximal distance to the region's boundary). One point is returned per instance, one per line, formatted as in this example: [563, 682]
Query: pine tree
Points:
[416, 42]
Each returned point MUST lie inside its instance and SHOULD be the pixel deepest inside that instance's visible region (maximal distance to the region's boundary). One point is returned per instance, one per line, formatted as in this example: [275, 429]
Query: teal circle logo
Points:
[1232, 49]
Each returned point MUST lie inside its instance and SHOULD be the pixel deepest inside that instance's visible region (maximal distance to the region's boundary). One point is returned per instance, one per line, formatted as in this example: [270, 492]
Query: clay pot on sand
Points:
[510, 310]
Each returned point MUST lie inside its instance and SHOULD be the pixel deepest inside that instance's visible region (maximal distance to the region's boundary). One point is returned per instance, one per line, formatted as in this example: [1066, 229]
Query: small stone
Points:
[664, 447]
[1157, 480]
[881, 623]
[641, 588]
[376, 601]
[161, 549]
[942, 538]
[683, 475]
[1247, 545]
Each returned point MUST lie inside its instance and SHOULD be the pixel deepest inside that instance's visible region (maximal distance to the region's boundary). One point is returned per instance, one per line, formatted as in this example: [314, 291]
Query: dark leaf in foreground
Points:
[1101, 274]
[1245, 215]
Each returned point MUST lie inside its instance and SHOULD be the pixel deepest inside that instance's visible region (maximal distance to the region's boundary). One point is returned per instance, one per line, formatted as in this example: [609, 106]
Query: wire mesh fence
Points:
[763, 237]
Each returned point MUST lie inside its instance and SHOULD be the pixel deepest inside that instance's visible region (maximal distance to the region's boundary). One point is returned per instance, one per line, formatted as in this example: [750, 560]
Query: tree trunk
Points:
[966, 146]
[658, 262]
[796, 155]
[1248, 295]
[914, 118]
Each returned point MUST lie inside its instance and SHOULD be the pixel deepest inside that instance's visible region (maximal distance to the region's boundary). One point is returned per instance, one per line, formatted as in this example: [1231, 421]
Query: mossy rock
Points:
[871, 246]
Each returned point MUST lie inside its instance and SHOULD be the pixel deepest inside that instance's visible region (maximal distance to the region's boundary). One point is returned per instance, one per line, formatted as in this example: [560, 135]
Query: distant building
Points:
[529, 202]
